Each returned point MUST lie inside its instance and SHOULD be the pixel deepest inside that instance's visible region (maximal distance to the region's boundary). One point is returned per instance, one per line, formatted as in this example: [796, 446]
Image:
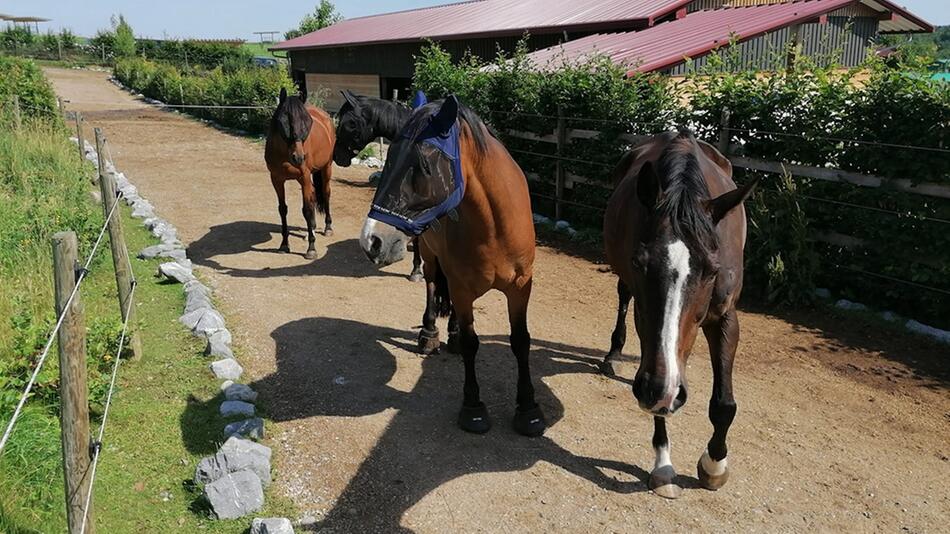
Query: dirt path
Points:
[842, 425]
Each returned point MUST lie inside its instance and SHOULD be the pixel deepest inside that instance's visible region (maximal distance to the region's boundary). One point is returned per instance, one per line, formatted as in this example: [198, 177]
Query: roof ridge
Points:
[424, 8]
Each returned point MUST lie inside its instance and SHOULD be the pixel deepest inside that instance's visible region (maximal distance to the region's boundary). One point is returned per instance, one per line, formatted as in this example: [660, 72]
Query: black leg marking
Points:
[723, 338]
[619, 337]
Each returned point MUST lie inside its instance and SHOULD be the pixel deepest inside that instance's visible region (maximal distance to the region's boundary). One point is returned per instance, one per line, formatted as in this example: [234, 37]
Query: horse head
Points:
[353, 131]
[293, 122]
[675, 267]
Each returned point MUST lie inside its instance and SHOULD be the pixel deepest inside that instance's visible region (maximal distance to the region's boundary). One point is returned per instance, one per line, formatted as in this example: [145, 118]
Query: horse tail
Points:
[318, 191]
[443, 302]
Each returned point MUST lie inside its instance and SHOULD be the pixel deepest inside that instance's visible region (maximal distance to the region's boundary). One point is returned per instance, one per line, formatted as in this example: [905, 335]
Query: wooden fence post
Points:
[74, 403]
[560, 172]
[724, 135]
[79, 138]
[120, 253]
[16, 111]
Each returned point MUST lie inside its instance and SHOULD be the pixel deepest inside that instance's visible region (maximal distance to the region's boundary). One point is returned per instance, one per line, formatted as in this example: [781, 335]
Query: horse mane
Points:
[291, 112]
[480, 132]
[684, 192]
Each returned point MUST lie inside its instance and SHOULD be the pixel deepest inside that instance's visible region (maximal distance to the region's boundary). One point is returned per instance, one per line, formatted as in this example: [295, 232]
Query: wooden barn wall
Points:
[850, 35]
[397, 60]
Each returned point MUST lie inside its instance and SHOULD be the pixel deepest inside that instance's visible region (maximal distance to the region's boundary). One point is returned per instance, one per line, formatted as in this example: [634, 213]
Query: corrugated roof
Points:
[484, 18]
[671, 43]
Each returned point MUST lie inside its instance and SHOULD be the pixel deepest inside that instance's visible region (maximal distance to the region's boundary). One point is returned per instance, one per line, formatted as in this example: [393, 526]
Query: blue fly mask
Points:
[422, 180]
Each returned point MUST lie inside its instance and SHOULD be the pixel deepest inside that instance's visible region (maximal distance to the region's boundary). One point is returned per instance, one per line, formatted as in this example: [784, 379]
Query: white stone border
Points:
[234, 478]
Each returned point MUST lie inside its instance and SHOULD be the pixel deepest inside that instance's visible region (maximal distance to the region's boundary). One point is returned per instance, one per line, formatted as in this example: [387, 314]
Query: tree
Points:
[323, 15]
[124, 44]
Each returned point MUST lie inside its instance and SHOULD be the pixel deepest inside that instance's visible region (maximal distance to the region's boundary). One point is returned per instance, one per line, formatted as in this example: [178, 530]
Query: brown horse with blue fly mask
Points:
[300, 147]
[448, 180]
[674, 233]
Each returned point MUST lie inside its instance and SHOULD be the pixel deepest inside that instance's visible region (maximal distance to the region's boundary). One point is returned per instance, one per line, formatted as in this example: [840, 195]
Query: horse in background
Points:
[450, 182]
[300, 147]
[674, 233]
[361, 120]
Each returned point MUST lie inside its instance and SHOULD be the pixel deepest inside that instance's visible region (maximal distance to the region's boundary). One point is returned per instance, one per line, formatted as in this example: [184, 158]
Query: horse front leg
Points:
[278, 184]
[326, 174]
[723, 338]
[473, 417]
[619, 337]
[663, 476]
[429, 335]
[529, 419]
[309, 214]
[416, 274]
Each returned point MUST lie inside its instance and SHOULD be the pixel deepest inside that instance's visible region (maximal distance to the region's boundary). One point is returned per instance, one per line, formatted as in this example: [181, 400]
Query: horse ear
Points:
[648, 186]
[283, 95]
[419, 100]
[720, 206]
[351, 99]
[447, 115]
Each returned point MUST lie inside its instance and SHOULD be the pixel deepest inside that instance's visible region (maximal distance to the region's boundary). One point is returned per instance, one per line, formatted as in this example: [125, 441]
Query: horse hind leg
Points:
[529, 419]
[416, 274]
[322, 190]
[438, 304]
[309, 214]
[619, 336]
[723, 338]
[282, 210]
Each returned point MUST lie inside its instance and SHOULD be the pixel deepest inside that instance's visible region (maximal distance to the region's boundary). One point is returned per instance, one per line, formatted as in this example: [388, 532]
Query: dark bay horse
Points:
[300, 147]
[674, 233]
[359, 122]
[448, 180]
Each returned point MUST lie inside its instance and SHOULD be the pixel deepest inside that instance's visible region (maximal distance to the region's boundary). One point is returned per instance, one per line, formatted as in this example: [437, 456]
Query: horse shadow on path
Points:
[342, 258]
[334, 367]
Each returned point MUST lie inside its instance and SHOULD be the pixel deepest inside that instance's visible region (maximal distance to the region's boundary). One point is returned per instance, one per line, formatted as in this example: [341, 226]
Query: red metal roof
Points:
[671, 43]
[484, 18]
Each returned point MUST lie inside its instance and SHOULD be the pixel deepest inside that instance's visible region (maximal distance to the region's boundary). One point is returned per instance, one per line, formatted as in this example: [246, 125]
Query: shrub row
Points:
[246, 87]
[21, 77]
[806, 115]
[186, 54]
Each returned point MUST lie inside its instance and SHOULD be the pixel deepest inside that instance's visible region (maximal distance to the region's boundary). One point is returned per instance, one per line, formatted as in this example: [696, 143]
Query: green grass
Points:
[164, 416]
[259, 49]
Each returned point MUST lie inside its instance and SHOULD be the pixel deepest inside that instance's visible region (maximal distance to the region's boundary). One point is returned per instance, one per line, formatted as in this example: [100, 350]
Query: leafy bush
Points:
[246, 87]
[808, 115]
[23, 78]
[189, 54]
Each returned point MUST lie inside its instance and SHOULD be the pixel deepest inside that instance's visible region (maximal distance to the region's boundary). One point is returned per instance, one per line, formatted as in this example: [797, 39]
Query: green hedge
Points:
[188, 54]
[246, 87]
[800, 116]
[24, 78]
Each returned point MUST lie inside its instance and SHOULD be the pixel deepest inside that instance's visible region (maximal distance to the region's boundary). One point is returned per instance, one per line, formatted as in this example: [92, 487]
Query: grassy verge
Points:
[164, 416]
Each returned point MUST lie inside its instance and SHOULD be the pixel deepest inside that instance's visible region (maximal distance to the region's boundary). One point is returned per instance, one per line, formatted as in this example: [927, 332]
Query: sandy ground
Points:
[843, 425]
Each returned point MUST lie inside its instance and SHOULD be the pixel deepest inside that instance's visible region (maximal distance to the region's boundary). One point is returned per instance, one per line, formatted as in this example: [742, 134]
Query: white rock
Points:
[562, 225]
[209, 323]
[235, 495]
[848, 305]
[227, 369]
[222, 336]
[940, 335]
[271, 525]
[249, 428]
[191, 317]
[174, 271]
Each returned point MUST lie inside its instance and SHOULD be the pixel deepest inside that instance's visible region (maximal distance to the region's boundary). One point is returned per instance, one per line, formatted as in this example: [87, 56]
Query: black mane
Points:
[291, 119]
[684, 192]
[385, 117]
[420, 119]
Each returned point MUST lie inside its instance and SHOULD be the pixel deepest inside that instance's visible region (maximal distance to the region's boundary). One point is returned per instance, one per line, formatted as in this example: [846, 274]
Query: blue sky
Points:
[239, 18]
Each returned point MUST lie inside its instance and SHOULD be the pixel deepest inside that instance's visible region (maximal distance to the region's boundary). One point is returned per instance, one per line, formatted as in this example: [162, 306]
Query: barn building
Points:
[374, 55]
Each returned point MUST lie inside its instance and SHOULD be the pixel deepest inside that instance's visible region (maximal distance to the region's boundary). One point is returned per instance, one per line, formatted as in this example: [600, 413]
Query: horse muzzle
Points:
[298, 158]
[382, 244]
[656, 397]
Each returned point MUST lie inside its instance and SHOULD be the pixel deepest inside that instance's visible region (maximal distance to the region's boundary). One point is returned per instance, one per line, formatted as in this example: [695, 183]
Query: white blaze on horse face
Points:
[677, 260]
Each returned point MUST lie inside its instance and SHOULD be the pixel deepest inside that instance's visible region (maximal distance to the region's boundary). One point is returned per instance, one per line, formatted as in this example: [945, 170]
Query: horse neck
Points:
[496, 195]
[387, 119]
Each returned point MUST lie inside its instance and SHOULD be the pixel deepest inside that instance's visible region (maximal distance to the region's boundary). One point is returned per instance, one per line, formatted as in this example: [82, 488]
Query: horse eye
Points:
[640, 258]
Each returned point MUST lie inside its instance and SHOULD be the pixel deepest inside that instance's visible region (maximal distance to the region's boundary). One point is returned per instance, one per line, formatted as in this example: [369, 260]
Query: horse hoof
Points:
[474, 419]
[428, 341]
[328, 232]
[311, 254]
[529, 422]
[284, 248]
[606, 368]
[712, 475]
[661, 482]
[416, 276]
[454, 345]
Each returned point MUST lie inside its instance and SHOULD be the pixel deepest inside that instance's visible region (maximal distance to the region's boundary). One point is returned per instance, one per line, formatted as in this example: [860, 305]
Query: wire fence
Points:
[81, 276]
